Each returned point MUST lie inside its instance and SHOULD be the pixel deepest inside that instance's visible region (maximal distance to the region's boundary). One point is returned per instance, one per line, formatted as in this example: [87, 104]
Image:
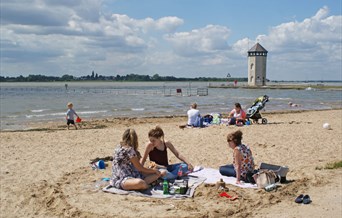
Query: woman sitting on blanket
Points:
[243, 162]
[157, 148]
[127, 172]
[237, 116]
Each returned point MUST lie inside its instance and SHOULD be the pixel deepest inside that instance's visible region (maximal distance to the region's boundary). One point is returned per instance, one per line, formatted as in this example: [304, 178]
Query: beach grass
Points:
[334, 165]
[330, 166]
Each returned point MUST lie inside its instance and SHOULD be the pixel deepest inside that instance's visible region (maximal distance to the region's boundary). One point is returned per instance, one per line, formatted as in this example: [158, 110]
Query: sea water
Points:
[24, 103]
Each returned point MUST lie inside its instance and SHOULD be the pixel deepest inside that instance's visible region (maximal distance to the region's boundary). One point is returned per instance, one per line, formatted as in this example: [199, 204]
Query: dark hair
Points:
[236, 137]
[238, 105]
[157, 132]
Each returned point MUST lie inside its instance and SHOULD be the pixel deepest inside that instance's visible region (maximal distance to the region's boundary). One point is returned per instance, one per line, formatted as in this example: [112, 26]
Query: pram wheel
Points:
[264, 121]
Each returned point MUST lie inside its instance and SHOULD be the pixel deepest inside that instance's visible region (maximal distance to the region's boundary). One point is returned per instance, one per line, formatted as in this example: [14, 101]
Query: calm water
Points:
[23, 103]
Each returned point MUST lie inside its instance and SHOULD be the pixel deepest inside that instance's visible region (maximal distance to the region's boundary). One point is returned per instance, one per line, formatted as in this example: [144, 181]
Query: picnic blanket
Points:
[157, 191]
[213, 175]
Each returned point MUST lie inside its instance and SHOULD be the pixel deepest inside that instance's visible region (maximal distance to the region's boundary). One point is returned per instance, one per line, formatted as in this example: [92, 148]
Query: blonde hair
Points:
[194, 105]
[70, 104]
[236, 137]
[130, 138]
[157, 132]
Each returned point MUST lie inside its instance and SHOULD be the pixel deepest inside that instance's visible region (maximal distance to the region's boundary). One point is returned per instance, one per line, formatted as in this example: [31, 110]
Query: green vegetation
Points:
[334, 165]
[331, 166]
[96, 77]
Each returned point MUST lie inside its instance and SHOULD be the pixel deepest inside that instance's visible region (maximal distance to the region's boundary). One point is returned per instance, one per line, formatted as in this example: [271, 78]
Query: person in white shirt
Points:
[193, 115]
[70, 115]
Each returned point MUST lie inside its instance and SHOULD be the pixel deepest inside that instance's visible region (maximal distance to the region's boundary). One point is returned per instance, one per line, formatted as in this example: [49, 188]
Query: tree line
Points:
[95, 77]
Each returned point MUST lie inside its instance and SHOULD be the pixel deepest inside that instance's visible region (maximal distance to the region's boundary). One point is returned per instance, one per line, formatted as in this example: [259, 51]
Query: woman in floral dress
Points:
[243, 162]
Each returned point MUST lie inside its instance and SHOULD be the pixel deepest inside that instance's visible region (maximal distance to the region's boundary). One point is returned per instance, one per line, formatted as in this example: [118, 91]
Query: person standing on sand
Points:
[157, 148]
[243, 162]
[127, 172]
[70, 115]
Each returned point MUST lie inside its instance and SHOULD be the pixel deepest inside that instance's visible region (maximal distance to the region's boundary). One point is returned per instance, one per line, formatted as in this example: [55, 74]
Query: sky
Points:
[181, 38]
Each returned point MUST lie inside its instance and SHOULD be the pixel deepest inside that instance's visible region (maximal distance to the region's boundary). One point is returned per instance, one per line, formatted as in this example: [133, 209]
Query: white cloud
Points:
[302, 48]
[210, 39]
[72, 33]
[310, 34]
[169, 24]
[62, 36]
[321, 13]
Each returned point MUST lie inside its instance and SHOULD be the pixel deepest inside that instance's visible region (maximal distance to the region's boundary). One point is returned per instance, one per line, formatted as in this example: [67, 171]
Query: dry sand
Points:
[46, 172]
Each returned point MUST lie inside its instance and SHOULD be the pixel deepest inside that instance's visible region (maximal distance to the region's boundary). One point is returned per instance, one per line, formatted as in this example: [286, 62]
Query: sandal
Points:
[306, 199]
[299, 199]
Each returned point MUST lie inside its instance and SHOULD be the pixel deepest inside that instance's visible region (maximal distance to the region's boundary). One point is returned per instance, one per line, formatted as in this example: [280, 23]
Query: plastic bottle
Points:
[180, 172]
[184, 187]
[165, 187]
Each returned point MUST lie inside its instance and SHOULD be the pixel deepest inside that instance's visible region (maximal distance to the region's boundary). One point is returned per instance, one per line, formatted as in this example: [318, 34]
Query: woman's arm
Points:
[148, 149]
[178, 155]
[237, 161]
[141, 168]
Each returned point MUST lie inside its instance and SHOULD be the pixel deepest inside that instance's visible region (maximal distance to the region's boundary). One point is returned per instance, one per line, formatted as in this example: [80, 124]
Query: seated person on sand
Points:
[127, 172]
[243, 162]
[157, 149]
[237, 115]
[193, 115]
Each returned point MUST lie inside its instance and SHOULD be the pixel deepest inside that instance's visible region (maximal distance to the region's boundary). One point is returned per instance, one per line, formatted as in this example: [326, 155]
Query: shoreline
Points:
[107, 122]
[280, 86]
[297, 85]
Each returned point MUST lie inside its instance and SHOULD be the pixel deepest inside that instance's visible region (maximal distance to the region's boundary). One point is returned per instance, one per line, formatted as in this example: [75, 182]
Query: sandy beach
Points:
[45, 172]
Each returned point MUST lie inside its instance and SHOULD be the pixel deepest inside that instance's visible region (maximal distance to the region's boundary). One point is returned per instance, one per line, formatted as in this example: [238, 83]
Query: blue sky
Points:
[183, 38]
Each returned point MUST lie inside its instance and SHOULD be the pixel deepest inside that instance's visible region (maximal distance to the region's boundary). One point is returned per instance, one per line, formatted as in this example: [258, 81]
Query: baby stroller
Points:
[253, 112]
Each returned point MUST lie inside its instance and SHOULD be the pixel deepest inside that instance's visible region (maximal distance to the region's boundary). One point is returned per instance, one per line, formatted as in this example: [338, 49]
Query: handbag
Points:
[265, 178]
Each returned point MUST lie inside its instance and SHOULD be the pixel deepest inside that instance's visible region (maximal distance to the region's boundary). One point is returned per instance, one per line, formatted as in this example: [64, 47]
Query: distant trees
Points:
[36, 78]
[67, 77]
[94, 76]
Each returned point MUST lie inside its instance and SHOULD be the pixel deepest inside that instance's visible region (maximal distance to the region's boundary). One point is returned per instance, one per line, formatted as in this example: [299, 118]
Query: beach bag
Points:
[208, 118]
[216, 119]
[264, 178]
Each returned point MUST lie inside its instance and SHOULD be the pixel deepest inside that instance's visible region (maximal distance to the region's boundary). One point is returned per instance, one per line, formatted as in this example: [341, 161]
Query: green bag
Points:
[216, 119]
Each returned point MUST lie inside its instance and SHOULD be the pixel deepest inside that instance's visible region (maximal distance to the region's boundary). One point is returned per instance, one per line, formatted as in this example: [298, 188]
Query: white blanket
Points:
[157, 191]
[213, 175]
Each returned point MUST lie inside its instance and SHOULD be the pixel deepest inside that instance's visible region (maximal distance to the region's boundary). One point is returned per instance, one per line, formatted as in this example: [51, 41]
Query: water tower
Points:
[257, 57]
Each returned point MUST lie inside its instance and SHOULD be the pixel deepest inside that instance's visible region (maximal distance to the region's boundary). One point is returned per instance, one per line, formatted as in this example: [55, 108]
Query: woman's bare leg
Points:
[134, 184]
[149, 178]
